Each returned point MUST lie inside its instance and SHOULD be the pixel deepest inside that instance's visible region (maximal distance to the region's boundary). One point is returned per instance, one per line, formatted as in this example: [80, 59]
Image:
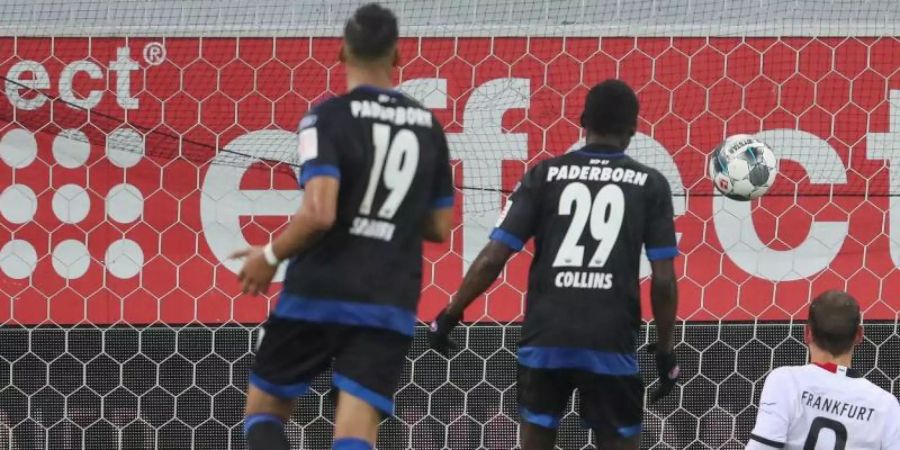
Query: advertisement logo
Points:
[121, 196]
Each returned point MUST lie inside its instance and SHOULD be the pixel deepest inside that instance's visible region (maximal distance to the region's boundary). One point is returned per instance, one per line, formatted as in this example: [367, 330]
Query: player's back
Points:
[391, 157]
[826, 409]
[597, 207]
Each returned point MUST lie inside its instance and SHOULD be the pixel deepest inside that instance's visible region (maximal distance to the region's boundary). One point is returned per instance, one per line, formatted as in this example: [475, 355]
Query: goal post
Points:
[142, 142]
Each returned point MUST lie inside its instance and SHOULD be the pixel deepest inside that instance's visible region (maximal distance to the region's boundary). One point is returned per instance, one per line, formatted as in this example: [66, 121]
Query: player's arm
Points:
[664, 301]
[515, 227]
[315, 216]
[483, 272]
[773, 418]
[439, 221]
[320, 177]
[661, 246]
[438, 224]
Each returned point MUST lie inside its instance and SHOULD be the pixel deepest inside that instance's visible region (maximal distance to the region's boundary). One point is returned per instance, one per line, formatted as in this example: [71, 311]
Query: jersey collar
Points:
[601, 151]
[838, 370]
[376, 90]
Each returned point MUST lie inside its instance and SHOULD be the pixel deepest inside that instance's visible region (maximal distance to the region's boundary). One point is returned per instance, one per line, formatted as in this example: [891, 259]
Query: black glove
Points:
[668, 371]
[439, 333]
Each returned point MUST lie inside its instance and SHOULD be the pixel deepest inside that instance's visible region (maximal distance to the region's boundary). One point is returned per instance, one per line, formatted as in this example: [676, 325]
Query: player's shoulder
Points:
[403, 99]
[326, 109]
[538, 172]
[876, 392]
[892, 404]
[653, 174]
[790, 378]
[785, 374]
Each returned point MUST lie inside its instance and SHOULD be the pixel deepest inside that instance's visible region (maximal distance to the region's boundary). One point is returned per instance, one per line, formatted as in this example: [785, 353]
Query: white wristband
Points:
[269, 254]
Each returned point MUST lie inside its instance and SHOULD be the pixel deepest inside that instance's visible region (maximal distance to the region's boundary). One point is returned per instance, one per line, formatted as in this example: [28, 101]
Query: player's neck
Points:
[365, 76]
[821, 357]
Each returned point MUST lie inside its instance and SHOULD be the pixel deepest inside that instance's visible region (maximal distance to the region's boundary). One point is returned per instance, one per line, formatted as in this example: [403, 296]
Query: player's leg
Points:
[366, 372]
[543, 394]
[264, 419]
[288, 356]
[355, 423]
[620, 443]
[613, 406]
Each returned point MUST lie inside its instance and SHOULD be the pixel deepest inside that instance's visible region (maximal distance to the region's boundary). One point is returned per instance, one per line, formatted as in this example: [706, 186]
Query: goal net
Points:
[142, 141]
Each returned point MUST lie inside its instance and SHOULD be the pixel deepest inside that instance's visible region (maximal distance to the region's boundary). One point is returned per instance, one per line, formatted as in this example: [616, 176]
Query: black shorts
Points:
[367, 362]
[612, 406]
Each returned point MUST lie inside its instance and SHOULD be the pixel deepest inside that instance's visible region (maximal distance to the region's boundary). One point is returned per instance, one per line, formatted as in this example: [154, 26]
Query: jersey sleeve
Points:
[442, 187]
[659, 234]
[773, 419]
[518, 218]
[891, 440]
[318, 152]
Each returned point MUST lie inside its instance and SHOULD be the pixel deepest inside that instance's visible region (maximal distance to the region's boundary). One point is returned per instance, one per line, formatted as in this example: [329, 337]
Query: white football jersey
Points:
[818, 407]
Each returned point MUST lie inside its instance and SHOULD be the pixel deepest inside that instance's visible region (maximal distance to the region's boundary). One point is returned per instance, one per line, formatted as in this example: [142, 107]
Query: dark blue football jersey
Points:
[590, 212]
[391, 157]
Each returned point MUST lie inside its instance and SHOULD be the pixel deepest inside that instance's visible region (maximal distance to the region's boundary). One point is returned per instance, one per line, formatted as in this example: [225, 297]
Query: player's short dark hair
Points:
[611, 108]
[834, 320]
[372, 32]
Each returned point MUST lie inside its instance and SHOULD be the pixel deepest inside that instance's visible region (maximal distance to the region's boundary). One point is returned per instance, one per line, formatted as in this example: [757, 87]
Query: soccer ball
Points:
[743, 167]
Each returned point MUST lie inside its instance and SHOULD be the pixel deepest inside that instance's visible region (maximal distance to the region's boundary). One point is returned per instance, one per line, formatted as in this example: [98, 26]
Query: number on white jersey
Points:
[857, 413]
[605, 214]
[839, 430]
[396, 162]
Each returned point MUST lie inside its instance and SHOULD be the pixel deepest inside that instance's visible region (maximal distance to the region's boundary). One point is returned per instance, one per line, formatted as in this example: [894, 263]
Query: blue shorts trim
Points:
[507, 238]
[323, 310]
[443, 202]
[255, 419]
[544, 420]
[378, 401]
[594, 361]
[629, 431]
[278, 390]
[310, 171]
[656, 254]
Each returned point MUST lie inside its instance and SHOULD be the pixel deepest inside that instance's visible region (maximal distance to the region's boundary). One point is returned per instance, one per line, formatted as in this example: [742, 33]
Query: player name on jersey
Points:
[372, 228]
[399, 115]
[584, 280]
[594, 173]
[836, 407]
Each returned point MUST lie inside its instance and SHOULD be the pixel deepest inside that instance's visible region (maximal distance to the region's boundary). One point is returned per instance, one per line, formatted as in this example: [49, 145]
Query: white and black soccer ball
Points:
[743, 167]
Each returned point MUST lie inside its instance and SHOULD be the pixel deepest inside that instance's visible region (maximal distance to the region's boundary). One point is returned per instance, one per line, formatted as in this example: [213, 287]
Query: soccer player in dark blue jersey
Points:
[590, 212]
[377, 179]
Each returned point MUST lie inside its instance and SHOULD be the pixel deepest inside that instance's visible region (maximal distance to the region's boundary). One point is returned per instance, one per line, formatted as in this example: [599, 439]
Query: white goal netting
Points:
[142, 141]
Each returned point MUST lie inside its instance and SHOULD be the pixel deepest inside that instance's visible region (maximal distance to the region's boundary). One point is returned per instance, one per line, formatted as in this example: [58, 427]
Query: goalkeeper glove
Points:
[668, 371]
[439, 333]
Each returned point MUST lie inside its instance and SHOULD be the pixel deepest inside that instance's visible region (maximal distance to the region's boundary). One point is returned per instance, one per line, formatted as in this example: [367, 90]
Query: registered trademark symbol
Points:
[154, 53]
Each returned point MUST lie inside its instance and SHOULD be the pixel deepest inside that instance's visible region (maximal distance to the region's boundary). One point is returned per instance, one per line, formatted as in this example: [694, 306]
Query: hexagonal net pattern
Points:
[142, 142]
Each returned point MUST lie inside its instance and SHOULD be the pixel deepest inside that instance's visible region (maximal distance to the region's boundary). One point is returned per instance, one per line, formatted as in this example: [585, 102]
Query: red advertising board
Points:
[93, 232]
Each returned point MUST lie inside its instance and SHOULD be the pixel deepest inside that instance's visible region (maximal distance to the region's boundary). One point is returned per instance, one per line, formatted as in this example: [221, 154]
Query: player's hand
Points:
[257, 273]
[668, 371]
[439, 333]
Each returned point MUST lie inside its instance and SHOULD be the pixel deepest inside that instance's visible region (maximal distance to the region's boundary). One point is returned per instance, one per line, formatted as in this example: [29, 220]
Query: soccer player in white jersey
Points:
[824, 405]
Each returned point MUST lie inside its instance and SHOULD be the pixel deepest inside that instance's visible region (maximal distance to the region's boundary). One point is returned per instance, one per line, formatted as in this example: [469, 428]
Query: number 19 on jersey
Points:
[393, 168]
